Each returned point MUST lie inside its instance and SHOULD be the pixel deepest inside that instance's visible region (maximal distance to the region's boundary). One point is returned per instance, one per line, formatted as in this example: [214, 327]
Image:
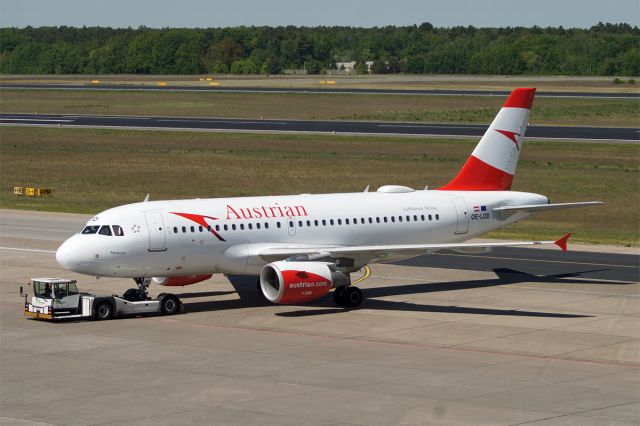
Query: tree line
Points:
[604, 49]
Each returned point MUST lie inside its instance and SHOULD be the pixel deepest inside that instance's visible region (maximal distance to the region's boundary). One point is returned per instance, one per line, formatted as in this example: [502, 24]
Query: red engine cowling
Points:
[299, 282]
[180, 281]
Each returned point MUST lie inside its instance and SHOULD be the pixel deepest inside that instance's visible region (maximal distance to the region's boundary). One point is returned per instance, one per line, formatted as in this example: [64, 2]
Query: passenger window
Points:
[346, 221]
[291, 224]
[105, 230]
[430, 218]
[330, 221]
[278, 224]
[242, 226]
[233, 227]
[217, 228]
[175, 229]
[92, 229]
[258, 225]
[399, 218]
[300, 223]
[266, 225]
[200, 228]
[385, 219]
[117, 231]
[415, 218]
[437, 217]
[250, 226]
[193, 229]
[226, 227]
[370, 220]
[393, 219]
[315, 222]
[339, 221]
[184, 229]
[324, 222]
[377, 220]
[308, 223]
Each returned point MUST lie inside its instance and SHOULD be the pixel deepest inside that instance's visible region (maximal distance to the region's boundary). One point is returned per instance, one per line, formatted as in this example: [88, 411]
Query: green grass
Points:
[442, 109]
[91, 170]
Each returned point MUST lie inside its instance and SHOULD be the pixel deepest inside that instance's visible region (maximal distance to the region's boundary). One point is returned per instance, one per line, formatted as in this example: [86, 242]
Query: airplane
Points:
[303, 246]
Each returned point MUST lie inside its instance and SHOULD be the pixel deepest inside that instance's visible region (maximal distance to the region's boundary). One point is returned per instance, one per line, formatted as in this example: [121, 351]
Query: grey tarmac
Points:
[561, 351]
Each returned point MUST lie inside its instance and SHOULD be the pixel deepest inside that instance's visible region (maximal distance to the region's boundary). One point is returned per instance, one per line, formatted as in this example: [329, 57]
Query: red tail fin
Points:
[493, 162]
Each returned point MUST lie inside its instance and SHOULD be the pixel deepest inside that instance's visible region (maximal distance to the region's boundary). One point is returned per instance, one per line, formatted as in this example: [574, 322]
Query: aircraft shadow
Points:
[204, 294]
[251, 297]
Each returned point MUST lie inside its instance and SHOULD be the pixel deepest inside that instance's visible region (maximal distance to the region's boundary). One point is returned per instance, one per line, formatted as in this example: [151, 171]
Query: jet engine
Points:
[299, 282]
[180, 280]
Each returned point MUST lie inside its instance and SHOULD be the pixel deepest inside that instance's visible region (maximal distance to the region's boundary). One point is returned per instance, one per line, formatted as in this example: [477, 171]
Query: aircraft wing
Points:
[382, 253]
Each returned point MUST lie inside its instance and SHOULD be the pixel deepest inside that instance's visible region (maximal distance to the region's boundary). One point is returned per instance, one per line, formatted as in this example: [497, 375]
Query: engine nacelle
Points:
[180, 280]
[299, 282]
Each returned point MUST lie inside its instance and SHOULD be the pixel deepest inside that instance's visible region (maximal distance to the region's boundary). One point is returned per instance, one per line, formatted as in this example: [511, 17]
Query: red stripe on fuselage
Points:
[476, 175]
[200, 220]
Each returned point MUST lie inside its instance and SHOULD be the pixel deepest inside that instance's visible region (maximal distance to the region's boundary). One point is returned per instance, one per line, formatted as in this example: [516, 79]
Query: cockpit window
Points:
[91, 229]
[117, 231]
[105, 230]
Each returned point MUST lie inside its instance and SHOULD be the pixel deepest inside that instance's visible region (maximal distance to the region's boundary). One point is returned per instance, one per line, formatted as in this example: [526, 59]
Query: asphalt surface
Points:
[431, 92]
[625, 135]
[429, 345]
[527, 264]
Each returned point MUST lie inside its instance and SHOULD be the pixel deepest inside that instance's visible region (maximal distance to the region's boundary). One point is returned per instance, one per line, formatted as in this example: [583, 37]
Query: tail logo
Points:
[510, 135]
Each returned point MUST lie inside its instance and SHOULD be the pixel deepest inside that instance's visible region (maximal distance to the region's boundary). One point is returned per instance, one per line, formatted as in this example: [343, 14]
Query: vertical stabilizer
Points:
[493, 162]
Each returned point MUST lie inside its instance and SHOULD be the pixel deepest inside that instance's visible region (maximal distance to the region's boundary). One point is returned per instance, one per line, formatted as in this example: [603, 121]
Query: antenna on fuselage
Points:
[146, 199]
[367, 188]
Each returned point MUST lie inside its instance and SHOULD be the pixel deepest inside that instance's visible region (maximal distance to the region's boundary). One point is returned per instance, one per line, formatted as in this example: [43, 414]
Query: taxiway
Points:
[326, 91]
[561, 133]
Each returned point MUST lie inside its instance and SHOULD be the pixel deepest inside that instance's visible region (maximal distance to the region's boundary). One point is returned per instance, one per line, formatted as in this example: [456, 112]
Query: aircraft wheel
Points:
[339, 296]
[103, 311]
[170, 305]
[353, 297]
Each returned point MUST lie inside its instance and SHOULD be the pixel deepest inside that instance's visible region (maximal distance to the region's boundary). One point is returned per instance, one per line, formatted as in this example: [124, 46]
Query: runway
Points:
[594, 134]
[545, 343]
[328, 91]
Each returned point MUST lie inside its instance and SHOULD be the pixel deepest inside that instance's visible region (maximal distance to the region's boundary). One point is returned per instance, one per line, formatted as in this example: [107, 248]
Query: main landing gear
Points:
[348, 296]
[138, 294]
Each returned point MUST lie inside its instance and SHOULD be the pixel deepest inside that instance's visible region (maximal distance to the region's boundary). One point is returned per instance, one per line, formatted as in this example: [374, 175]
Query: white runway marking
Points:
[29, 250]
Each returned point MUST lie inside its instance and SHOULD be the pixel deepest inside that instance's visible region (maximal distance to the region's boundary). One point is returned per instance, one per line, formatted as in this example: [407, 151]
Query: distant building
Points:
[347, 67]
[350, 66]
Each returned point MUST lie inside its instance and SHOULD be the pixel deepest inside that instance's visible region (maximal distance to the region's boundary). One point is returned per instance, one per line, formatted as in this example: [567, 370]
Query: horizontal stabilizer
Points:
[533, 208]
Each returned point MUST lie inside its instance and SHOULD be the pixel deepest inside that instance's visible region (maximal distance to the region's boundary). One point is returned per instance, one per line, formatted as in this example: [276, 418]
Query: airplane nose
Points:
[69, 255]
[63, 255]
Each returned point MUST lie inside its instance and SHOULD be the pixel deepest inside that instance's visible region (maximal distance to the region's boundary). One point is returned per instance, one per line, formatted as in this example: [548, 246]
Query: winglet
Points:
[562, 242]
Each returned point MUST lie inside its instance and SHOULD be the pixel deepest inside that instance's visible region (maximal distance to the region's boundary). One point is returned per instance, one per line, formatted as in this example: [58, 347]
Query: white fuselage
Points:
[203, 236]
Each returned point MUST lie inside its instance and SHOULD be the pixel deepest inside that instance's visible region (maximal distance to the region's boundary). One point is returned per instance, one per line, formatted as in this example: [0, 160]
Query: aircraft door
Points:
[462, 226]
[157, 236]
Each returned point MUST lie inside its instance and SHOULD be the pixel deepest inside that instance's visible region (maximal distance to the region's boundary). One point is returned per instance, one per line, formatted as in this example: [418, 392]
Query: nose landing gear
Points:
[138, 294]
